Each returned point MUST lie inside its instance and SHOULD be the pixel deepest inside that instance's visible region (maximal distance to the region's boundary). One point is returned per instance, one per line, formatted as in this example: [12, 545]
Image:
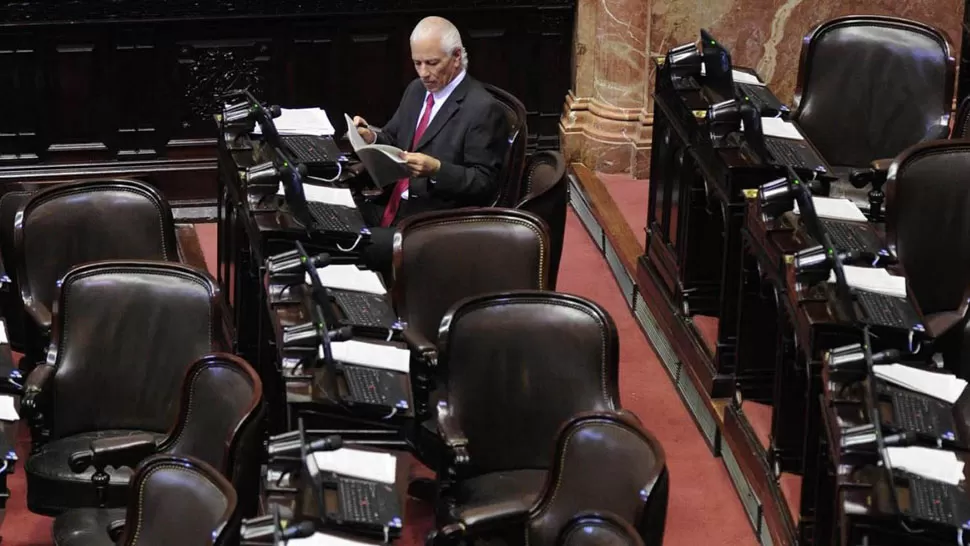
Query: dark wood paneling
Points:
[135, 80]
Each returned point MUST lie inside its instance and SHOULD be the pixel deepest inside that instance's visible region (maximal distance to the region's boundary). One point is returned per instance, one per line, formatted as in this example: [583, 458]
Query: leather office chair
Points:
[511, 175]
[124, 334]
[12, 307]
[219, 423]
[927, 226]
[547, 196]
[869, 87]
[444, 256]
[595, 529]
[516, 366]
[79, 222]
[173, 500]
[602, 462]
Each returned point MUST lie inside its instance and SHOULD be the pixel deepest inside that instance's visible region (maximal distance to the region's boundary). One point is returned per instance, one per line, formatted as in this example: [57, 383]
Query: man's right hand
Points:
[363, 129]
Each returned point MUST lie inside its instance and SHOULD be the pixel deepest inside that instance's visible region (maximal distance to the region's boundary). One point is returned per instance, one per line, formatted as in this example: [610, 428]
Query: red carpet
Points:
[703, 507]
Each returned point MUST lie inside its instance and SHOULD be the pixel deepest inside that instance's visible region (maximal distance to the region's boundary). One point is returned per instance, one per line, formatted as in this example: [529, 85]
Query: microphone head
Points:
[302, 529]
[275, 111]
[327, 443]
[301, 168]
[341, 334]
[321, 260]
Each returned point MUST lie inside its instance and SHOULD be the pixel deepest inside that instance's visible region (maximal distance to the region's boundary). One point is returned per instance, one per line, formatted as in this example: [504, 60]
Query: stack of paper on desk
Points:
[872, 279]
[944, 386]
[301, 121]
[933, 464]
[350, 277]
[323, 539]
[323, 194]
[3, 333]
[836, 209]
[779, 128]
[8, 410]
[357, 463]
[741, 76]
[372, 355]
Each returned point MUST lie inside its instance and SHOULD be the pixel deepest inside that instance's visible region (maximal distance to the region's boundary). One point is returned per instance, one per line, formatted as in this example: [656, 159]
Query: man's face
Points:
[435, 67]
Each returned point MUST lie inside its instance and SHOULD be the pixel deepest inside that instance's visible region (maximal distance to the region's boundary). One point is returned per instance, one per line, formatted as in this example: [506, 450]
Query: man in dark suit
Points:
[455, 135]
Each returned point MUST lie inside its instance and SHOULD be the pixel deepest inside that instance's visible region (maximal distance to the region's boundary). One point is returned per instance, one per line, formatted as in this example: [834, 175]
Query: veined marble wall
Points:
[607, 119]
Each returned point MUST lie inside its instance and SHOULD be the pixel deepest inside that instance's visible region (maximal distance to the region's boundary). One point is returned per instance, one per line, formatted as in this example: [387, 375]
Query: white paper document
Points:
[873, 279]
[357, 463]
[933, 464]
[779, 128]
[301, 121]
[836, 209]
[324, 194]
[746, 77]
[3, 333]
[943, 386]
[8, 411]
[350, 277]
[323, 539]
[384, 163]
[372, 355]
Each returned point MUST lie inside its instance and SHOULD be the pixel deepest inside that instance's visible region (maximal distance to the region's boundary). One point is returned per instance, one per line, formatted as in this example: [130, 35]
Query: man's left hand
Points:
[421, 164]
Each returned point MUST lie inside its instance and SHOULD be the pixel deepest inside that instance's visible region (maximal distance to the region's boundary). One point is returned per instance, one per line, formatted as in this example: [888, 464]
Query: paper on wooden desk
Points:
[356, 463]
[746, 77]
[836, 209]
[873, 279]
[323, 539]
[350, 277]
[944, 386]
[933, 464]
[779, 128]
[372, 355]
[8, 411]
[324, 194]
[3, 333]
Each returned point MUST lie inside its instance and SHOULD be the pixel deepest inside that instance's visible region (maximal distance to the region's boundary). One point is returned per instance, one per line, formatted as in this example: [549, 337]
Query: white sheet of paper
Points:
[3, 333]
[745, 77]
[323, 539]
[372, 355]
[836, 209]
[357, 463]
[301, 121]
[8, 412]
[323, 194]
[779, 128]
[946, 387]
[873, 279]
[350, 277]
[933, 464]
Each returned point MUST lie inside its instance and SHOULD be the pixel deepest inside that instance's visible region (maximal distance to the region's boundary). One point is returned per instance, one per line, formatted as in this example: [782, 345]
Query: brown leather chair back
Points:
[220, 413]
[510, 177]
[605, 462]
[124, 335]
[595, 529]
[79, 222]
[871, 86]
[547, 196]
[518, 365]
[442, 257]
[178, 500]
[927, 199]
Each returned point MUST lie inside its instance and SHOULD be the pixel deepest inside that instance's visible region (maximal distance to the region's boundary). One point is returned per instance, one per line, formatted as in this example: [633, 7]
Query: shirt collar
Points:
[441, 95]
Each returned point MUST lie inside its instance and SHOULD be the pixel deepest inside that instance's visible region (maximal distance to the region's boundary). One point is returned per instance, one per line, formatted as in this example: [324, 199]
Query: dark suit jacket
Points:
[469, 135]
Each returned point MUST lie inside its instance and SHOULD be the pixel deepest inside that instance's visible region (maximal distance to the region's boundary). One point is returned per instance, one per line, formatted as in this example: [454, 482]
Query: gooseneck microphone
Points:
[292, 446]
[266, 527]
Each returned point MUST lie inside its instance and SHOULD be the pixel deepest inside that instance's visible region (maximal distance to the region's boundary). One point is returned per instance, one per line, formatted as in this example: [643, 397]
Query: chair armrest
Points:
[875, 175]
[480, 520]
[421, 346]
[115, 452]
[115, 528]
[452, 435]
[34, 389]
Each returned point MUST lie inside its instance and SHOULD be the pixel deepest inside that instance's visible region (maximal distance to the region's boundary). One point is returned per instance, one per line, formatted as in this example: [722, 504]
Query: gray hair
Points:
[445, 31]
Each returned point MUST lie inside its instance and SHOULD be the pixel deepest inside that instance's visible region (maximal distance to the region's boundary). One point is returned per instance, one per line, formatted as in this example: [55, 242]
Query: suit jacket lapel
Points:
[448, 109]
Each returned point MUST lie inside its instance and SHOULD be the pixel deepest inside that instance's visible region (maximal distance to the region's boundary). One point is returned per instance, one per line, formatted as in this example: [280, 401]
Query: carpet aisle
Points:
[703, 509]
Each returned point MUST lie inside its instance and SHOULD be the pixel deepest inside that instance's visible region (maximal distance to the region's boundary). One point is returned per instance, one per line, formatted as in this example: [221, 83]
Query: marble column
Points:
[605, 123]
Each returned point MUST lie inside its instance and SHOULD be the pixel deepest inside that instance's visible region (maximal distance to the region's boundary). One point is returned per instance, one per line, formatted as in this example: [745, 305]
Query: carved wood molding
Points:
[93, 10]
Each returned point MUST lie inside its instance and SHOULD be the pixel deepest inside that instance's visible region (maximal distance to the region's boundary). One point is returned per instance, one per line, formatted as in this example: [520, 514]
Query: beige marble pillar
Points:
[605, 123]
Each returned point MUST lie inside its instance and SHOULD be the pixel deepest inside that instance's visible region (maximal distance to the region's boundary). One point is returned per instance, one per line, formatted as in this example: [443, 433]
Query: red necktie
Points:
[395, 201]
